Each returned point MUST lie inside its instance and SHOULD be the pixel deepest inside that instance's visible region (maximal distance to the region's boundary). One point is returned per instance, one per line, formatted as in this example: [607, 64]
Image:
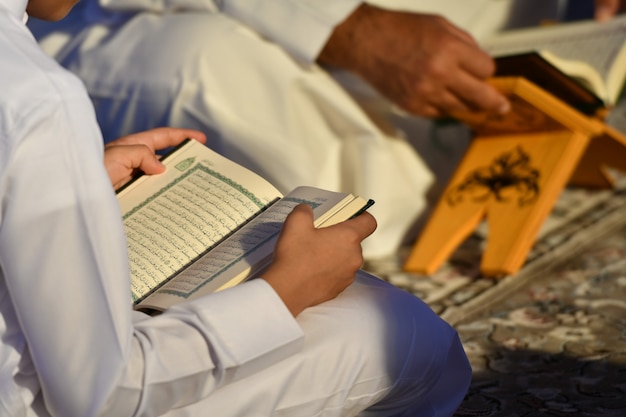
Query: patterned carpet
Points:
[550, 340]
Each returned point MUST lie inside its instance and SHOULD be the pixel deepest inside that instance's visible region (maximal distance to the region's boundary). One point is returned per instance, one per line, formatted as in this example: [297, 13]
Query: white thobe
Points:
[221, 67]
[72, 346]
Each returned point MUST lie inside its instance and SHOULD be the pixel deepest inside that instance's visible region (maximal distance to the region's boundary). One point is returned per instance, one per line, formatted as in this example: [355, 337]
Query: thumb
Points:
[151, 164]
[121, 161]
[364, 224]
[143, 158]
[301, 217]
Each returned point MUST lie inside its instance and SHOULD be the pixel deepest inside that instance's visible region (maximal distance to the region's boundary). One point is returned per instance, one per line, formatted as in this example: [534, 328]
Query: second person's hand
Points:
[422, 63]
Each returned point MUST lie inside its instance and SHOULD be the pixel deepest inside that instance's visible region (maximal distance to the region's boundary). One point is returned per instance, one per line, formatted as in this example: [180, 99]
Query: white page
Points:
[198, 201]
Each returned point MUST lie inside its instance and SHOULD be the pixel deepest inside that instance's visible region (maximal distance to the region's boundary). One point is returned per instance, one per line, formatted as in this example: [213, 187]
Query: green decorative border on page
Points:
[199, 166]
[185, 163]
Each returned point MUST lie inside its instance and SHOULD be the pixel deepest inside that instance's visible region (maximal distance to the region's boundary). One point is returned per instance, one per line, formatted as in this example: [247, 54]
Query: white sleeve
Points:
[186, 353]
[302, 27]
[65, 264]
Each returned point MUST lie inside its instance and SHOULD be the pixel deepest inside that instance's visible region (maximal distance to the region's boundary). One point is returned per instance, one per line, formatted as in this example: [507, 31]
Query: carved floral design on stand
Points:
[509, 171]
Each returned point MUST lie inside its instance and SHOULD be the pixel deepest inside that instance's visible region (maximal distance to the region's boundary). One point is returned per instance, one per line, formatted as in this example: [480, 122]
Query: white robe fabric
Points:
[72, 346]
[242, 71]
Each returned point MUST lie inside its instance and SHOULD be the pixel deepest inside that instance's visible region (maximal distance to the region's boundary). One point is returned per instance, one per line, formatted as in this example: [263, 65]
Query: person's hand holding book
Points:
[125, 156]
[312, 265]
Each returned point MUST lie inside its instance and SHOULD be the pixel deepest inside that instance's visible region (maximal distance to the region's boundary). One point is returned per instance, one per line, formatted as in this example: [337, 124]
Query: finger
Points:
[429, 100]
[468, 53]
[477, 62]
[606, 9]
[478, 95]
[426, 110]
[160, 138]
[446, 25]
[445, 104]
[167, 136]
[364, 225]
[131, 157]
[300, 219]
[145, 160]
[461, 34]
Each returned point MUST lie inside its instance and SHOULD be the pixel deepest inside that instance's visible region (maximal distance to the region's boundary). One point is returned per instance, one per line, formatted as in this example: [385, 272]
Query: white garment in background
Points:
[71, 345]
[221, 67]
[284, 118]
[483, 17]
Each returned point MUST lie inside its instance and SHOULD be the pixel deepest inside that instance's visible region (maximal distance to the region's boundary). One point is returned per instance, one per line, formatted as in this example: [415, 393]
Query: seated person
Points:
[312, 336]
[279, 113]
[273, 85]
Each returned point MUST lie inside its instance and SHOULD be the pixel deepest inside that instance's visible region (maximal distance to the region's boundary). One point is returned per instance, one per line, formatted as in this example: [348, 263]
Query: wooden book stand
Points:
[512, 174]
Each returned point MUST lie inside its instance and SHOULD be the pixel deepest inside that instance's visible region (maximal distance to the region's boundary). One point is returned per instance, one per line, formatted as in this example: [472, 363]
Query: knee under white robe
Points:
[72, 346]
[369, 346]
[261, 100]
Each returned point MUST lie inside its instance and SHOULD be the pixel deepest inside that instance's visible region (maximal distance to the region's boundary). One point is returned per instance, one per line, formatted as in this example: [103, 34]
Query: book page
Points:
[582, 72]
[601, 45]
[539, 71]
[172, 218]
[248, 251]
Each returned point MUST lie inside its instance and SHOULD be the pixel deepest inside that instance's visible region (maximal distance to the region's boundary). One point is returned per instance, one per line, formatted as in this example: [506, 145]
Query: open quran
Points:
[583, 63]
[207, 224]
